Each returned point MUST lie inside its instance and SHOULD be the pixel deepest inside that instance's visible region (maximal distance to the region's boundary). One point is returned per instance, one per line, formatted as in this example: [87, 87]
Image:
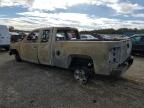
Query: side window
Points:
[72, 35]
[84, 37]
[136, 39]
[33, 36]
[60, 35]
[45, 36]
[66, 35]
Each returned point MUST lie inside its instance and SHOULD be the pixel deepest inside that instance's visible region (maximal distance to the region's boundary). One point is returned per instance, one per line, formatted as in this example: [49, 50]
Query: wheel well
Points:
[81, 60]
[13, 51]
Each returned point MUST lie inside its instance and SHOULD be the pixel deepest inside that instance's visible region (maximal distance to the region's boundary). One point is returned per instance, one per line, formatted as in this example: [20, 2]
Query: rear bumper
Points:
[124, 66]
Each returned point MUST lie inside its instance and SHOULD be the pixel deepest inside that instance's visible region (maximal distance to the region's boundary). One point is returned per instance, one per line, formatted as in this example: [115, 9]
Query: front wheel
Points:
[17, 57]
[82, 74]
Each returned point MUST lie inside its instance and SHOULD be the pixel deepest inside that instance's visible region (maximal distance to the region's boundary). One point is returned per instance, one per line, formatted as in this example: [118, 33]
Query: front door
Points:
[29, 47]
[44, 49]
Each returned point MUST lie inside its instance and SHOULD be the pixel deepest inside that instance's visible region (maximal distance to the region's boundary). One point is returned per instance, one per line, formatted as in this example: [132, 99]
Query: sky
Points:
[81, 14]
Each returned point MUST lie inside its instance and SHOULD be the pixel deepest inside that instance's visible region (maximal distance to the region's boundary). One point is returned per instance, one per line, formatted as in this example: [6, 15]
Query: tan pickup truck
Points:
[62, 47]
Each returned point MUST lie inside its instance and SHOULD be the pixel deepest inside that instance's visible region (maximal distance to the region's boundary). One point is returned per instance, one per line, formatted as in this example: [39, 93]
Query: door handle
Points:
[58, 53]
[34, 47]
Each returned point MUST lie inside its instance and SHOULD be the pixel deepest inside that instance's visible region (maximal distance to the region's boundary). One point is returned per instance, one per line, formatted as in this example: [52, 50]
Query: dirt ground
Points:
[27, 85]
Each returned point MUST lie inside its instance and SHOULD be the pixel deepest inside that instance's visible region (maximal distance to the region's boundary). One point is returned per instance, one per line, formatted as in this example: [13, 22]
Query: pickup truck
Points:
[62, 47]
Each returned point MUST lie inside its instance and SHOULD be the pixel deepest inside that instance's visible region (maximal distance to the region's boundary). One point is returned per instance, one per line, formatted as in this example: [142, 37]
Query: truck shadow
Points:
[2, 50]
[108, 82]
[95, 81]
[139, 55]
[66, 76]
[111, 80]
[51, 82]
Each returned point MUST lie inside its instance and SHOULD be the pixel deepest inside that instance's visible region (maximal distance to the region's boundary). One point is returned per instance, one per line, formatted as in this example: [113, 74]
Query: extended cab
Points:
[62, 47]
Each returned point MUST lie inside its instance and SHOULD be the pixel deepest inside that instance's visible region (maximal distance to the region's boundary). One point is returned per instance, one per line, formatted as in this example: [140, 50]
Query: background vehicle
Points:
[4, 37]
[62, 47]
[15, 37]
[102, 37]
[87, 37]
[138, 43]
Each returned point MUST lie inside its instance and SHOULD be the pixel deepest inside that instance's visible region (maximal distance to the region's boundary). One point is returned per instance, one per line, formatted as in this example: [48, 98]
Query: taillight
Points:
[114, 55]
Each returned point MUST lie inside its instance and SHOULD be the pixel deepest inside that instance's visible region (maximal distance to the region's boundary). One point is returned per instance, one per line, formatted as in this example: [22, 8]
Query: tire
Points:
[82, 74]
[17, 57]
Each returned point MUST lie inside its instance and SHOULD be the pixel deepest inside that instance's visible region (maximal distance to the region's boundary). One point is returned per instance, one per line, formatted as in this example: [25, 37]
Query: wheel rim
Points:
[80, 75]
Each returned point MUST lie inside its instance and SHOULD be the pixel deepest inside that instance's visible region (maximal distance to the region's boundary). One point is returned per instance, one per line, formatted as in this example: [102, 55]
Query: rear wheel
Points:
[82, 74]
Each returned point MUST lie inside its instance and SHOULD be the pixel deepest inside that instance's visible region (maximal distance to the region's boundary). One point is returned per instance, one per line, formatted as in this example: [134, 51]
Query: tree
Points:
[11, 28]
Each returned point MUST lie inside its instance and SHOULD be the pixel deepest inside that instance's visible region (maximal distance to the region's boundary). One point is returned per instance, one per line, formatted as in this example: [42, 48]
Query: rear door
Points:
[29, 47]
[63, 36]
[44, 49]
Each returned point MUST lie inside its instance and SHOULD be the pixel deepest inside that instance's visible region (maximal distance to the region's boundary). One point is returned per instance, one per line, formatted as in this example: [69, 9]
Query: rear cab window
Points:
[65, 35]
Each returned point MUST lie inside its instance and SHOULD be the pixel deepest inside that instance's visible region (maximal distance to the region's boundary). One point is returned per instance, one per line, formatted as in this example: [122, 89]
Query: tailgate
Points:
[125, 51]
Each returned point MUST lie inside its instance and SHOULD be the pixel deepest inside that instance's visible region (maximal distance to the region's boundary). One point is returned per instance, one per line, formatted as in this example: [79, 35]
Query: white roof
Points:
[14, 33]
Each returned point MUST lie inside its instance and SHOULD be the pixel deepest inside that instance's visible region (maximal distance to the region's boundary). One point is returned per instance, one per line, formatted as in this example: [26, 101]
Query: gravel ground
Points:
[136, 72]
[26, 85]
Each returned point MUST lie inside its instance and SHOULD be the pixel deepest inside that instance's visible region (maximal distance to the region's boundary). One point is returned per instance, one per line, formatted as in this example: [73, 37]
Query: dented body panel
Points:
[106, 56]
[97, 51]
